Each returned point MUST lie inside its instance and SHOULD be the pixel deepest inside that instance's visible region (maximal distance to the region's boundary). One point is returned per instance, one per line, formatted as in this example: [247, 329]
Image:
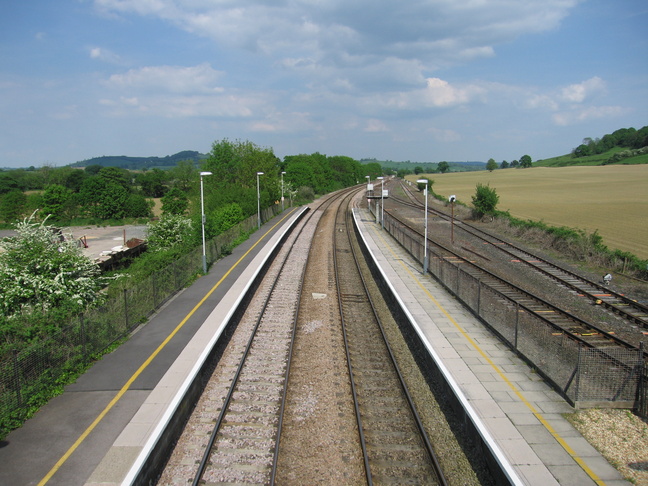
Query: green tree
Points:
[152, 182]
[525, 161]
[491, 165]
[175, 201]
[421, 186]
[115, 175]
[485, 200]
[137, 206]
[226, 217]
[8, 183]
[56, 201]
[12, 205]
[504, 165]
[93, 169]
[443, 167]
[183, 175]
[373, 170]
[112, 202]
[39, 271]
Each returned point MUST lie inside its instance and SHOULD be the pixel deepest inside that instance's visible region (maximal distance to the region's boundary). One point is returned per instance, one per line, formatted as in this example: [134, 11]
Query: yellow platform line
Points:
[148, 361]
[501, 374]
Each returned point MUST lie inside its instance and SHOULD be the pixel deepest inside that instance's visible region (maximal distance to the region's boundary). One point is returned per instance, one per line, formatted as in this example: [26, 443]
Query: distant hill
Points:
[428, 167]
[624, 146]
[141, 163]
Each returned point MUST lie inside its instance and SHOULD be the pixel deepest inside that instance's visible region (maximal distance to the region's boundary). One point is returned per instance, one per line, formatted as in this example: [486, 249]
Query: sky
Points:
[402, 80]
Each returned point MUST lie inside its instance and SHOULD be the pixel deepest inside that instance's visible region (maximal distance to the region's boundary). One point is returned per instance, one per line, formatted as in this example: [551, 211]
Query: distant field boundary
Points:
[611, 200]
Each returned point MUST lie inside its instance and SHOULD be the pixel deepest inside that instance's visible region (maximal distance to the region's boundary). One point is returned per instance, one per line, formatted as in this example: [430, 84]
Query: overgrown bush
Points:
[41, 269]
[170, 231]
[305, 194]
[485, 200]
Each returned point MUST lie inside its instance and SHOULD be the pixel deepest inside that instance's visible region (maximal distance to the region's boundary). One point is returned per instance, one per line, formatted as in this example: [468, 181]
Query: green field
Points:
[611, 199]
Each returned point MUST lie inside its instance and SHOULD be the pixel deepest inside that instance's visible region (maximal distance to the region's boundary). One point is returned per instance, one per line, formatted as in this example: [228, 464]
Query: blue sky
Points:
[419, 80]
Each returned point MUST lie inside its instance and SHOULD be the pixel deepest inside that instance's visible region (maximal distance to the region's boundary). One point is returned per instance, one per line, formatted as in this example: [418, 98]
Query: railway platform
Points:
[514, 407]
[68, 438]
[92, 432]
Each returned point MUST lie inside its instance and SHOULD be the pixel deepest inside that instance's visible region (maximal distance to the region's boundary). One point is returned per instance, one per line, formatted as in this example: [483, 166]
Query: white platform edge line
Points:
[171, 408]
[483, 431]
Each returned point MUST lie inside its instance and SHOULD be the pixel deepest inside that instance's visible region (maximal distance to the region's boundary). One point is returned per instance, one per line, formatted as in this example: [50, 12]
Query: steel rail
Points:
[424, 435]
[212, 439]
[614, 303]
[524, 293]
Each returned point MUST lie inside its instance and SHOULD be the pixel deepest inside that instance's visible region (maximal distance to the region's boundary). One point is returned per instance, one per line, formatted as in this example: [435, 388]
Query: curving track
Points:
[249, 425]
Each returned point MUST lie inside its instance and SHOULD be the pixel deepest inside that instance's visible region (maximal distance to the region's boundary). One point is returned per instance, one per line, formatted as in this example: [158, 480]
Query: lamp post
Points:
[378, 212]
[259, 199]
[382, 202]
[368, 183]
[282, 192]
[425, 255]
[202, 212]
[452, 200]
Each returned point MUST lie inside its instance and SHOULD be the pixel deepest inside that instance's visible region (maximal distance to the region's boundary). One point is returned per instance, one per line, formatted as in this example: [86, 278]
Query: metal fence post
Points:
[642, 391]
[154, 288]
[517, 322]
[126, 308]
[578, 373]
[83, 337]
[17, 377]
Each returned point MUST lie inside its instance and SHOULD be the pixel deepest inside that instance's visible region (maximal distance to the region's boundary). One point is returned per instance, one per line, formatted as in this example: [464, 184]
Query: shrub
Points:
[170, 231]
[485, 200]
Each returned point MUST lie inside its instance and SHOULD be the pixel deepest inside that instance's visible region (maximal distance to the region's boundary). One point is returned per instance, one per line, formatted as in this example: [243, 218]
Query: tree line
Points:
[629, 138]
[96, 194]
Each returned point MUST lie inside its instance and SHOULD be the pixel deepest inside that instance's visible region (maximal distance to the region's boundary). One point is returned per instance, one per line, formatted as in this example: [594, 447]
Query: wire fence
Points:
[39, 366]
[584, 376]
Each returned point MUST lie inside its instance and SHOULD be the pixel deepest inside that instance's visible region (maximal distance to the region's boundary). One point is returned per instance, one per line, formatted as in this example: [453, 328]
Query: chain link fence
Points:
[584, 376]
[42, 364]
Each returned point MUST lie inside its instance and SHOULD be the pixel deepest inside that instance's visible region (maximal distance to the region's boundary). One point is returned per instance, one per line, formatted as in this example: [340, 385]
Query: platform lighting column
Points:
[202, 212]
[425, 238]
[378, 214]
[368, 200]
[259, 199]
[282, 191]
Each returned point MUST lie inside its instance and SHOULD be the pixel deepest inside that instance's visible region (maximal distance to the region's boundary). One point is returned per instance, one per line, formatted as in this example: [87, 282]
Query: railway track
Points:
[242, 446]
[629, 309]
[561, 320]
[257, 424]
[395, 445]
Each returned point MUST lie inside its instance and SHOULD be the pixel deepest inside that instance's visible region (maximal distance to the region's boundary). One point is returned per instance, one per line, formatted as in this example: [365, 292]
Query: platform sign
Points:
[385, 193]
[370, 187]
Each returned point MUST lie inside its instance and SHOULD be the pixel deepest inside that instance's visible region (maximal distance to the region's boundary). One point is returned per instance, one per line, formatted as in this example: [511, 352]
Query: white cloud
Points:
[334, 39]
[374, 125]
[581, 115]
[577, 93]
[441, 93]
[173, 79]
[104, 55]
[444, 135]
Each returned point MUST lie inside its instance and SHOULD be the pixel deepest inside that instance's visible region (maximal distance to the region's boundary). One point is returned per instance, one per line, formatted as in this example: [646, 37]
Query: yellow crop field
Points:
[612, 200]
